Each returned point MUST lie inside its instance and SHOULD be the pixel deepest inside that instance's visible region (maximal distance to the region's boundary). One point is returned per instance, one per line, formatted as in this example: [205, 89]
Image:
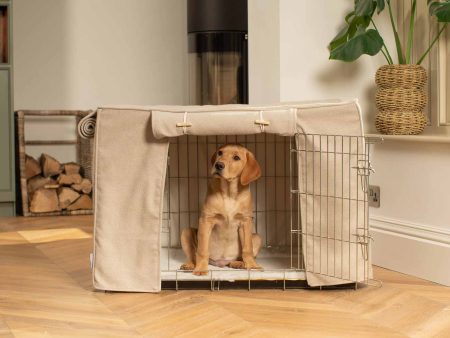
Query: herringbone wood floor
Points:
[45, 291]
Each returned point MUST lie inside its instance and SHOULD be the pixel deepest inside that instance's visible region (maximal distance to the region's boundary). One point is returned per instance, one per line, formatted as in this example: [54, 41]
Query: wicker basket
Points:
[83, 153]
[400, 99]
[403, 123]
[401, 76]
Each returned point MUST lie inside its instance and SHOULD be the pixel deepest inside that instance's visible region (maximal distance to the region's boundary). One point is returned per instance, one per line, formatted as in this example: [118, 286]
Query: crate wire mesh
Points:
[281, 203]
[332, 205]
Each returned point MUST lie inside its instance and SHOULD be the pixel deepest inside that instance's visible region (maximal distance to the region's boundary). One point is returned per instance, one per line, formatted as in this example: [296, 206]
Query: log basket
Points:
[83, 157]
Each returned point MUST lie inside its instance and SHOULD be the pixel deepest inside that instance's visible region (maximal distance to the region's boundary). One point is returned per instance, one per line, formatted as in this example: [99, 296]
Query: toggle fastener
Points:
[261, 122]
[185, 124]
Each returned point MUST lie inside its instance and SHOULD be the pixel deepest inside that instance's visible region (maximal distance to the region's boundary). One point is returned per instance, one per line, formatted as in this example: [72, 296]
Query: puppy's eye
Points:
[220, 153]
[236, 158]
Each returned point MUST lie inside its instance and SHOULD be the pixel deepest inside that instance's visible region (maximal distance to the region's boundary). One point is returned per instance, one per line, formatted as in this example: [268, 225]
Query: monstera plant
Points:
[401, 97]
[361, 36]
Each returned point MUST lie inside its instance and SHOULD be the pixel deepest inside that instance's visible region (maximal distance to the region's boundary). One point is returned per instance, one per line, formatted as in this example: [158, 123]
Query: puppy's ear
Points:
[213, 158]
[252, 170]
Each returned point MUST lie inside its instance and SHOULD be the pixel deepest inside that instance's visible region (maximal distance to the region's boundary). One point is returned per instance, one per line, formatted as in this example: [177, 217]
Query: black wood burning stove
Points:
[218, 52]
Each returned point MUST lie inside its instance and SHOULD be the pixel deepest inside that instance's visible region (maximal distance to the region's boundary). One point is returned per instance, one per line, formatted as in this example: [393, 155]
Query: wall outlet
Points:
[374, 196]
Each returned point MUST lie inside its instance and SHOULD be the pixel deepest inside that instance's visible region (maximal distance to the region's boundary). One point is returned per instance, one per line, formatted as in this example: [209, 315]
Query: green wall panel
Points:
[7, 185]
[6, 166]
[6, 209]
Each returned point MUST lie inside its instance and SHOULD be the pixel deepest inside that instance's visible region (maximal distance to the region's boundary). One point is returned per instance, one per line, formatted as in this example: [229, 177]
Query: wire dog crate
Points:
[314, 223]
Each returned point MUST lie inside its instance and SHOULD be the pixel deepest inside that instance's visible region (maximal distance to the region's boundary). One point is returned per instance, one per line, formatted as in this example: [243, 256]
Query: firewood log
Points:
[66, 197]
[44, 200]
[37, 182]
[84, 202]
[32, 167]
[71, 168]
[85, 186]
[50, 166]
[64, 179]
[52, 186]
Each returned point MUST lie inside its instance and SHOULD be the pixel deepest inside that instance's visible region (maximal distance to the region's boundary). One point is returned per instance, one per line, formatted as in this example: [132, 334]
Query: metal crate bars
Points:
[332, 225]
[315, 223]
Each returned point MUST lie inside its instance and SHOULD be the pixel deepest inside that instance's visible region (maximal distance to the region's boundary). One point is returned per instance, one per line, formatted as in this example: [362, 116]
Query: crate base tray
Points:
[276, 264]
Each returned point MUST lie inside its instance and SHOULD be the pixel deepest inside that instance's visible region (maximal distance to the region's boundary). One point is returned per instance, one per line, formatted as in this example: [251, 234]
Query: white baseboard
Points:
[413, 249]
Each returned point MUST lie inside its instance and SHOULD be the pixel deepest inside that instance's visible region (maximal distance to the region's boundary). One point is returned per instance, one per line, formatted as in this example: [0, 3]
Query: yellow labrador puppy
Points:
[224, 236]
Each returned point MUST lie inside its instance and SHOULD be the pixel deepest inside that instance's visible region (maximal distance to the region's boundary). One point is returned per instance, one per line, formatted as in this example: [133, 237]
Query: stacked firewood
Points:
[53, 186]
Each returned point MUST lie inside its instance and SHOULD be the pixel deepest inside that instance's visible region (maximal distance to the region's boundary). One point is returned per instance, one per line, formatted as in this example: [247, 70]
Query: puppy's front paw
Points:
[250, 264]
[201, 272]
[187, 266]
[237, 265]
[201, 269]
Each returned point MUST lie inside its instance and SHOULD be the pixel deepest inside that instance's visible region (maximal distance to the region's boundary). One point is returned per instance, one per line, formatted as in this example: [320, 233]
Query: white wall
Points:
[414, 179]
[264, 51]
[87, 53]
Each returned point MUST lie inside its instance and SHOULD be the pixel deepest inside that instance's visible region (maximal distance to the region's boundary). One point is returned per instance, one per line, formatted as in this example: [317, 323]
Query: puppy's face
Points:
[234, 161]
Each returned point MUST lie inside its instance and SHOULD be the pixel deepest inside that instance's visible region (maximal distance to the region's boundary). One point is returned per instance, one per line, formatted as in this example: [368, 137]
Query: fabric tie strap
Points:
[185, 124]
[86, 126]
[261, 122]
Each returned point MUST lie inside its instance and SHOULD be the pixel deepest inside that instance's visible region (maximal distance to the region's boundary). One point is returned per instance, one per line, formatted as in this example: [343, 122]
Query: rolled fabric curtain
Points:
[86, 126]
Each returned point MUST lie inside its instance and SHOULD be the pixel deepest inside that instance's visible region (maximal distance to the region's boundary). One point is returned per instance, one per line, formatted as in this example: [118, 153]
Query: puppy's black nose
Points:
[219, 165]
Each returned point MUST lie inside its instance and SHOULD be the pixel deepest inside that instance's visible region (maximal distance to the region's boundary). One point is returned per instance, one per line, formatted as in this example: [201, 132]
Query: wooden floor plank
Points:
[40, 298]
[5, 331]
[46, 291]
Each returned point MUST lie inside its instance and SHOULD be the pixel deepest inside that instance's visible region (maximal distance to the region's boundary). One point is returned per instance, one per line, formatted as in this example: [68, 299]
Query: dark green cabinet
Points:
[7, 191]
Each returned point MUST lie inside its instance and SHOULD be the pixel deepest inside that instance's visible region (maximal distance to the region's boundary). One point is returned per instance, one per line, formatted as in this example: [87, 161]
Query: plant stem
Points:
[432, 44]
[401, 59]
[386, 53]
[386, 57]
[409, 44]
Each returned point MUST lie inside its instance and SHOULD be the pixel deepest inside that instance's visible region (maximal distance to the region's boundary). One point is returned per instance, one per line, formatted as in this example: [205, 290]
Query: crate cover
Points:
[130, 161]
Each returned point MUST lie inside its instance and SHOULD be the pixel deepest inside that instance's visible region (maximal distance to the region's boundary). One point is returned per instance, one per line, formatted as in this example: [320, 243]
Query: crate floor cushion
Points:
[130, 161]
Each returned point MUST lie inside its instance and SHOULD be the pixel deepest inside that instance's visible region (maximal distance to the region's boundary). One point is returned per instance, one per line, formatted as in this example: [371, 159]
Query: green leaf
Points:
[354, 39]
[368, 42]
[380, 6]
[339, 39]
[365, 7]
[349, 31]
[440, 9]
[349, 17]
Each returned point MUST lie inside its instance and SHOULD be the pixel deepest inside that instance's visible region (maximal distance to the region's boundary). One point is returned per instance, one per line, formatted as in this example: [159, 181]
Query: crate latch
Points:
[364, 241]
[364, 170]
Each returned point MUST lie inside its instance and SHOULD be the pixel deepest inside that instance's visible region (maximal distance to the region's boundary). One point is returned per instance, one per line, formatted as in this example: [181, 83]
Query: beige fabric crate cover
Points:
[132, 142]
